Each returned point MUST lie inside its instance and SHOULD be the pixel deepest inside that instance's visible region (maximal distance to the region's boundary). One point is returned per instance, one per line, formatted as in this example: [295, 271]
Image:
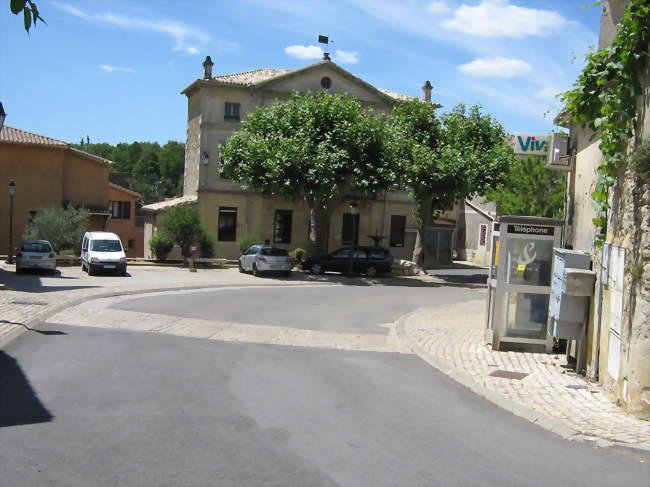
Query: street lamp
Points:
[10, 250]
[354, 211]
[3, 115]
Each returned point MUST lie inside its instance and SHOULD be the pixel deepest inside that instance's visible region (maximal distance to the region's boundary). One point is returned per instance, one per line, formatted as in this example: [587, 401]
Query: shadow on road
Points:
[19, 403]
[32, 282]
[41, 332]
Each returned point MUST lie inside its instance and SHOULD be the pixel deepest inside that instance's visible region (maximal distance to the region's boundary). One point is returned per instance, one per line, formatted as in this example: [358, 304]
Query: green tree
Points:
[172, 167]
[31, 15]
[146, 176]
[316, 147]
[529, 188]
[182, 223]
[63, 227]
[442, 160]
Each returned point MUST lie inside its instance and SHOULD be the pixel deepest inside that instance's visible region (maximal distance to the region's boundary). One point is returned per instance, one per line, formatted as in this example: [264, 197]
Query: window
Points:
[342, 254]
[120, 210]
[231, 111]
[106, 245]
[282, 226]
[326, 83]
[397, 230]
[227, 231]
[131, 244]
[274, 252]
[482, 235]
[350, 228]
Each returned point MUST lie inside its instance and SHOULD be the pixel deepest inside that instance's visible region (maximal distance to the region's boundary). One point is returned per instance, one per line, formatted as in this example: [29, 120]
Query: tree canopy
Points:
[318, 147]
[529, 188]
[447, 158]
[157, 171]
[63, 227]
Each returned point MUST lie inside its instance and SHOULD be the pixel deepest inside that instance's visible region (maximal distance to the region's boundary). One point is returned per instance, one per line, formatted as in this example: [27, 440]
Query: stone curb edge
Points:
[42, 316]
[543, 421]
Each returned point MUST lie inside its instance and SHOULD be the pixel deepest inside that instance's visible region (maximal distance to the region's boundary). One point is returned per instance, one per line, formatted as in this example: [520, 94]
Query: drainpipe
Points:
[599, 318]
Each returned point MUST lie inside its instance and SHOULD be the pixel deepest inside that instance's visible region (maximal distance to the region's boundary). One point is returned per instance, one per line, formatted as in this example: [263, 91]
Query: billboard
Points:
[531, 144]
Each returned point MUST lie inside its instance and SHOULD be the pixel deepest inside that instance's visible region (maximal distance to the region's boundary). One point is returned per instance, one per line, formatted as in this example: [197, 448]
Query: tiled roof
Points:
[122, 188]
[255, 76]
[249, 78]
[161, 205]
[17, 136]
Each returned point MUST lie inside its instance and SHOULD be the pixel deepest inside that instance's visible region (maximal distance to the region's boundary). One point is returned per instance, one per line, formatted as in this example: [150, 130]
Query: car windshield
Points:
[274, 252]
[106, 245]
[36, 247]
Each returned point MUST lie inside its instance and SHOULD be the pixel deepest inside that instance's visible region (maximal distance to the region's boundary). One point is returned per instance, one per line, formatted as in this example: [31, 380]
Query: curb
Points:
[42, 316]
[542, 420]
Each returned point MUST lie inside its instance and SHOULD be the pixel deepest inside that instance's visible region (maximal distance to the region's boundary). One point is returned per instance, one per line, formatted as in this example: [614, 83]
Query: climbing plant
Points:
[604, 98]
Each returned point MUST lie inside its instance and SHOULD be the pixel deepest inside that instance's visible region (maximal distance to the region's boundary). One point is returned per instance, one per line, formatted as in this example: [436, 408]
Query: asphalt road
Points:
[98, 407]
[337, 308]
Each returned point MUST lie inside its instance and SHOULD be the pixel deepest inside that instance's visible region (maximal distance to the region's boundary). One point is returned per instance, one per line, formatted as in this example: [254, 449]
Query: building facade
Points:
[618, 327]
[123, 221]
[49, 173]
[217, 104]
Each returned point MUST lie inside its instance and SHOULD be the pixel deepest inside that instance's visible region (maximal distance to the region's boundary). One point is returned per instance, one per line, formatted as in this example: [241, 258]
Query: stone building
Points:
[217, 104]
[618, 328]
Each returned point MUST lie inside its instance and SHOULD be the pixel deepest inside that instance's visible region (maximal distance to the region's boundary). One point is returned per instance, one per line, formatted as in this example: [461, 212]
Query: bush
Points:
[62, 227]
[297, 255]
[161, 245]
[206, 246]
[182, 223]
[246, 242]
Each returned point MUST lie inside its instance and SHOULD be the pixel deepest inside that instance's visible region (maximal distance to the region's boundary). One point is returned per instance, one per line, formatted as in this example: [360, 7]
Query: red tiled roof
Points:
[17, 136]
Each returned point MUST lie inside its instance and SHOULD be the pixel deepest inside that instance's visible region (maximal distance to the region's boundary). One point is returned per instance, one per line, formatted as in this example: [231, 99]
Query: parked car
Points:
[102, 251]
[260, 259]
[35, 254]
[366, 260]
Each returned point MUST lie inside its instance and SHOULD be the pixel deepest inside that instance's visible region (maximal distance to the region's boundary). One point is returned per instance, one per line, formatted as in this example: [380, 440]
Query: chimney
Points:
[326, 56]
[426, 90]
[207, 67]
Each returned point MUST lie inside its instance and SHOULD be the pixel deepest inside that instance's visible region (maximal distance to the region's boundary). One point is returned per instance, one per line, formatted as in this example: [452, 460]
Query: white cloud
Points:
[547, 93]
[111, 69]
[497, 67]
[497, 18]
[304, 52]
[186, 37]
[438, 8]
[345, 57]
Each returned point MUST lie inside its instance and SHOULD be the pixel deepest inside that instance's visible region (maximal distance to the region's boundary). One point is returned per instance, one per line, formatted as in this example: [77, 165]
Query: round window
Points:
[326, 83]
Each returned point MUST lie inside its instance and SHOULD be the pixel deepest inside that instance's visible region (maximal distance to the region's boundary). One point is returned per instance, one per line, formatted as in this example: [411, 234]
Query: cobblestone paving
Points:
[455, 335]
[98, 313]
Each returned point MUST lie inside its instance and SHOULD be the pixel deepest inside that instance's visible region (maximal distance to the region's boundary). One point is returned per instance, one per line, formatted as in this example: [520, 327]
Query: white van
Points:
[102, 251]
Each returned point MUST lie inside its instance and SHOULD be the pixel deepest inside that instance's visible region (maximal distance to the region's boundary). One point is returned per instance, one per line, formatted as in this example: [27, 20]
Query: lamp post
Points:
[3, 115]
[10, 250]
[354, 211]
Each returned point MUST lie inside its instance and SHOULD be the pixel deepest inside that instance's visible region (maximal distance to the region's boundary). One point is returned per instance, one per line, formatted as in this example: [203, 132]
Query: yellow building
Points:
[48, 173]
[217, 104]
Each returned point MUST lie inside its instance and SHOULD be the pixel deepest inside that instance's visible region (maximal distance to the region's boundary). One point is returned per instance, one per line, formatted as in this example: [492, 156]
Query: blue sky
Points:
[114, 69]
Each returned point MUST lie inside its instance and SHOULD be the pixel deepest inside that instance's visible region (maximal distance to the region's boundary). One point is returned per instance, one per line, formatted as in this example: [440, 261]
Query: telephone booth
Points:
[521, 263]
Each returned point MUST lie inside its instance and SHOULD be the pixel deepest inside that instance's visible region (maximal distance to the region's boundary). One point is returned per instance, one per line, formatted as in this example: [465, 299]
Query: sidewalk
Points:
[451, 339]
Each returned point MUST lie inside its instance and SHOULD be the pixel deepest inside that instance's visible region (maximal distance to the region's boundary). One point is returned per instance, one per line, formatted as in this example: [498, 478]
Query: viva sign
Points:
[531, 144]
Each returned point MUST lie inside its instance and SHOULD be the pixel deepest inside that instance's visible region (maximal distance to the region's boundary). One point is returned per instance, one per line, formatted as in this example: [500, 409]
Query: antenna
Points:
[325, 40]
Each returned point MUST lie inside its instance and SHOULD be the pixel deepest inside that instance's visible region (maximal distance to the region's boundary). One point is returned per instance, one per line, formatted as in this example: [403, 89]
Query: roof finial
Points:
[207, 67]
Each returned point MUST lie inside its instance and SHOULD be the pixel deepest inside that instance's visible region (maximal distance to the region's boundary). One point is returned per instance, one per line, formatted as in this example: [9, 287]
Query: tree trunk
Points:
[319, 228]
[422, 217]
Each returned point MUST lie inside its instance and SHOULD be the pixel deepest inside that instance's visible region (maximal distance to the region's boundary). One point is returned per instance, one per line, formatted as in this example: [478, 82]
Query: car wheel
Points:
[91, 272]
[256, 273]
[19, 269]
[371, 271]
[124, 273]
[83, 267]
[316, 269]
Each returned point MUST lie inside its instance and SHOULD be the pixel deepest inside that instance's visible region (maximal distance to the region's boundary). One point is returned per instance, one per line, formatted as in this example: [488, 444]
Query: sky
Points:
[113, 70]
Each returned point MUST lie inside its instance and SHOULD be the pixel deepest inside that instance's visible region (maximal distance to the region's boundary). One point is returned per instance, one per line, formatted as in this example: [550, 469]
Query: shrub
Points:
[297, 255]
[206, 246]
[182, 224]
[247, 241]
[63, 227]
[161, 245]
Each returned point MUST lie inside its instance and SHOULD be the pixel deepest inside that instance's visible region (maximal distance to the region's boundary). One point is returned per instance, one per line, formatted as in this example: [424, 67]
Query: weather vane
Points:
[325, 40]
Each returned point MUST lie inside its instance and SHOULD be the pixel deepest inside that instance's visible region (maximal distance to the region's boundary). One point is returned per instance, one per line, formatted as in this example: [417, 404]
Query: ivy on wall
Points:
[605, 95]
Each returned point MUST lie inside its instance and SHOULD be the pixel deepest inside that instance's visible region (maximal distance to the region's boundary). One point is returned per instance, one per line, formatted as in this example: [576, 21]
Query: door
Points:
[338, 261]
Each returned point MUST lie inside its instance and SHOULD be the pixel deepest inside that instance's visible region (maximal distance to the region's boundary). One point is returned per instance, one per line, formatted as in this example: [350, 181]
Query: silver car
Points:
[260, 259]
[35, 254]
